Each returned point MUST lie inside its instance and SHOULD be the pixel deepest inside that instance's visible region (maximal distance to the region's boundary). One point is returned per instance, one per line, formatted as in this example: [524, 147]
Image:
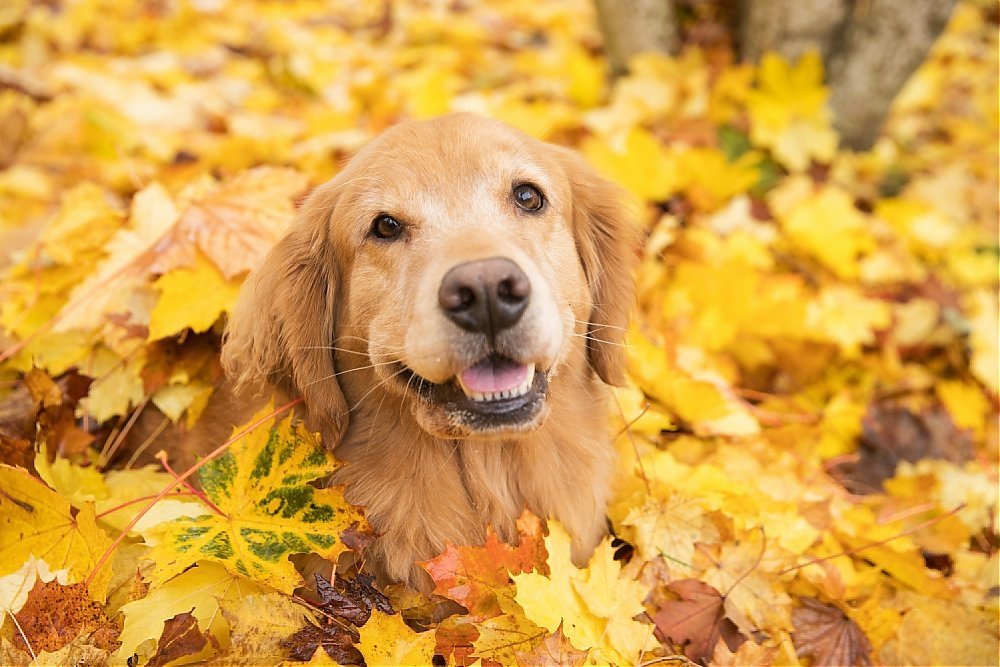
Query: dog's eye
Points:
[528, 197]
[386, 227]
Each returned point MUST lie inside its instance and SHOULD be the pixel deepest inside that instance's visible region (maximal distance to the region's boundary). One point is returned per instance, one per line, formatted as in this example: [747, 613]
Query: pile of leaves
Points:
[808, 440]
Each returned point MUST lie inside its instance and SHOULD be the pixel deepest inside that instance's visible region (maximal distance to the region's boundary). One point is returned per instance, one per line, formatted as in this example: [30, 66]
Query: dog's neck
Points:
[402, 474]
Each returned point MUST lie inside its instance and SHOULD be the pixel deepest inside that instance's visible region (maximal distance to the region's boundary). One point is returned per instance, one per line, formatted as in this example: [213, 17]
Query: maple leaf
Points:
[638, 162]
[199, 591]
[191, 298]
[347, 603]
[697, 621]
[825, 224]
[153, 215]
[14, 587]
[554, 651]
[236, 223]
[474, 575]
[595, 605]
[55, 614]
[259, 626]
[36, 521]
[502, 637]
[387, 640]
[788, 111]
[181, 640]
[268, 510]
[827, 636]
[752, 598]
[668, 527]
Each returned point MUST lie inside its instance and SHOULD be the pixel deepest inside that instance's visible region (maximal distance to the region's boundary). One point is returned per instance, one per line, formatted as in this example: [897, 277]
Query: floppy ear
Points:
[282, 328]
[607, 240]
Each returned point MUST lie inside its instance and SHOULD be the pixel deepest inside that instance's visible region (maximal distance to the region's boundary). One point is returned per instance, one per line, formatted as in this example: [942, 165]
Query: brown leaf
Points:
[336, 640]
[351, 599]
[15, 450]
[827, 636]
[54, 615]
[181, 637]
[345, 603]
[43, 389]
[697, 621]
[555, 650]
[893, 433]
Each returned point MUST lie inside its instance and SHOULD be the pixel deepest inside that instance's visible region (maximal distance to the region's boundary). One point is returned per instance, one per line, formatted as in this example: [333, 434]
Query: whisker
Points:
[350, 370]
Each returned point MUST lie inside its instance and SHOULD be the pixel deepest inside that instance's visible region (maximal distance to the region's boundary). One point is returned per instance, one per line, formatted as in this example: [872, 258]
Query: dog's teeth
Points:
[515, 392]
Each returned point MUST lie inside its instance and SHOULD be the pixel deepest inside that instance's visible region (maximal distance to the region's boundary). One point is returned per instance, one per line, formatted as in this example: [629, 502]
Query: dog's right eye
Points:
[386, 227]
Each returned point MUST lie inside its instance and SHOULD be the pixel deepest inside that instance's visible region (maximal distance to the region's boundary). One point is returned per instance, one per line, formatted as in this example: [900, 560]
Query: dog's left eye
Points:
[386, 227]
[528, 197]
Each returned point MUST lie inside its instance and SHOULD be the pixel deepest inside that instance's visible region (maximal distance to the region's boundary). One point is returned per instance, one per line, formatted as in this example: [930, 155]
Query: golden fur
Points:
[332, 314]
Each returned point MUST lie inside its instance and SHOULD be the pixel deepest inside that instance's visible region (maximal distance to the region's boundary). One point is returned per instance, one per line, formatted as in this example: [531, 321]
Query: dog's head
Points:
[455, 263]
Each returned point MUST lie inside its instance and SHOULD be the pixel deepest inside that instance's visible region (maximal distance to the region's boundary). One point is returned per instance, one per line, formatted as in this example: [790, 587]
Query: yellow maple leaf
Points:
[788, 111]
[387, 640]
[191, 297]
[269, 510]
[37, 521]
[117, 385]
[741, 571]
[200, 590]
[638, 162]
[826, 225]
[944, 632]
[595, 605]
[668, 524]
[845, 317]
[107, 289]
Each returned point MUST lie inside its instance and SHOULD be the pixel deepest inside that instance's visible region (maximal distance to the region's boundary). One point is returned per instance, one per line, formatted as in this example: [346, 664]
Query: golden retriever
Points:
[451, 308]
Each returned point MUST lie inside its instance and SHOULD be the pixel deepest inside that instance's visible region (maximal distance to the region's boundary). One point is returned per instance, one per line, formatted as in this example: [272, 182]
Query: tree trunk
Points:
[884, 42]
[634, 26]
[870, 47]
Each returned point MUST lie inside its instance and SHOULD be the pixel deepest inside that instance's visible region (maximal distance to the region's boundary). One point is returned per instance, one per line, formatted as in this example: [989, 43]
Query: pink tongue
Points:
[494, 375]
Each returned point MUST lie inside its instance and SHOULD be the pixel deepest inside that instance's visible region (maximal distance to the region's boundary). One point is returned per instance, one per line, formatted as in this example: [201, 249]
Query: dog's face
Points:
[455, 263]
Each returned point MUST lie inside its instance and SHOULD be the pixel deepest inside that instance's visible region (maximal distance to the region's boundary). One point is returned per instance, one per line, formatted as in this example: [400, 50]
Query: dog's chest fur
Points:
[422, 493]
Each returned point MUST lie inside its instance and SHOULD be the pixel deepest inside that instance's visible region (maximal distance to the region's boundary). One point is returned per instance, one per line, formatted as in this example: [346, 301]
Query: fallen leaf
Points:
[386, 640]
[239, 221]
[199, 591]
[595, 606]
[269, 510]
[697, 621]
[828, 636]
[191, 298]
[473, 575]
[554, 651]
[36, 521]
[181, 640]
[54, 614]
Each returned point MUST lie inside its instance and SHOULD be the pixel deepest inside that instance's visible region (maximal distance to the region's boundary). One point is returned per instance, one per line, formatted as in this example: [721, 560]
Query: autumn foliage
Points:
[807, 442]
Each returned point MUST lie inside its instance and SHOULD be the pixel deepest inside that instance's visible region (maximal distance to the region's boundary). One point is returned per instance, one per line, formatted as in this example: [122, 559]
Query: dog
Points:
[451, 308]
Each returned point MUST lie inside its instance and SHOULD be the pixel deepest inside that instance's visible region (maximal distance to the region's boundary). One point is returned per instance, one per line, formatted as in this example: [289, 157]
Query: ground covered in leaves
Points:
[808, 443]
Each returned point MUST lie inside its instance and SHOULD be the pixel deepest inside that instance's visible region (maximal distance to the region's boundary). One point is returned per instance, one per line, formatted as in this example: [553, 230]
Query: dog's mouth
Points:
[495, 395]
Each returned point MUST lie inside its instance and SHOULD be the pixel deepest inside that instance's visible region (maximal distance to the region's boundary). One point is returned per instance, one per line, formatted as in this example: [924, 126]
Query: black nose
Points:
[485, 296]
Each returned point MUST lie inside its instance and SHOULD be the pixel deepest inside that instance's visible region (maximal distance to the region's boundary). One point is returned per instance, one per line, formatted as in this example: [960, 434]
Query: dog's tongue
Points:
[491, 375]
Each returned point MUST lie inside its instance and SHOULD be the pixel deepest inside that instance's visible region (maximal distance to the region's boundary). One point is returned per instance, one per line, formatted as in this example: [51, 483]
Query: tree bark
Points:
[884, 42]
[634, 26]
[870, 48]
